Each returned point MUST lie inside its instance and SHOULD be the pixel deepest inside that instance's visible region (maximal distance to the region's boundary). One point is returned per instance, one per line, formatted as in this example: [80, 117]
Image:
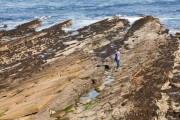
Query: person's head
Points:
[117, 49]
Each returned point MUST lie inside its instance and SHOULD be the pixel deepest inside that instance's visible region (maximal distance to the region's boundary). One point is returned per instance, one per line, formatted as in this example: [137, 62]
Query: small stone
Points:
[101, 115]
[78, 110]
[58, 114]
[52, 112]
[107, 106]
[86, 101]
[99, 88]
[78, 104]
[92, 118]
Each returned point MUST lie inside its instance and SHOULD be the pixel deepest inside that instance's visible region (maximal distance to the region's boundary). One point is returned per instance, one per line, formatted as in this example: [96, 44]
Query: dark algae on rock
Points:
[54, 74]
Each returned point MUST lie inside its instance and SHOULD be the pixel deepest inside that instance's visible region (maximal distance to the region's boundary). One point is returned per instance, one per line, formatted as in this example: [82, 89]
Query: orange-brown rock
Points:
[47, 74]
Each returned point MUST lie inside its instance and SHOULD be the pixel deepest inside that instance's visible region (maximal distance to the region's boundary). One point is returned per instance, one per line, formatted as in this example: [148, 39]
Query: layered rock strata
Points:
[46, 75]
[139, 91]
[47, 70]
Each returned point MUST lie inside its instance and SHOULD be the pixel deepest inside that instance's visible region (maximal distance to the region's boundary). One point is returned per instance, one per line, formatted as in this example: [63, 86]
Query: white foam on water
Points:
[66, 29]
[44, 26]
[13, 24]
[131, 19]
[74, 33]
[80, 24]
[105, 4]
[173, 31]
[47, 22]
[42, 17]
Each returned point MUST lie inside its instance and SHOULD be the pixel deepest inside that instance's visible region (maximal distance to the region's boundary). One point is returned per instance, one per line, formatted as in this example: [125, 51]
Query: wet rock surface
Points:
[54, 74]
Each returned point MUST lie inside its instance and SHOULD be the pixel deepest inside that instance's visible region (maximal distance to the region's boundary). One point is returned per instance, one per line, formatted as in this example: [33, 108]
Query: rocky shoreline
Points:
[57, 75]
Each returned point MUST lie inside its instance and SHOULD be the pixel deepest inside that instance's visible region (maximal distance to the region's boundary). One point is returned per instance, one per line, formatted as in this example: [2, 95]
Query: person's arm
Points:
[115, 55]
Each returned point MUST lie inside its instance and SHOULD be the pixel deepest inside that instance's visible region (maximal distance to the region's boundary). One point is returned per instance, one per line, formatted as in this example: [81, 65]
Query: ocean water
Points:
[85, 12]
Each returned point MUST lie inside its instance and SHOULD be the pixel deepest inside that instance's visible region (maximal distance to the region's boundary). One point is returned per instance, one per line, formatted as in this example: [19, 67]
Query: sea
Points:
[86, 12]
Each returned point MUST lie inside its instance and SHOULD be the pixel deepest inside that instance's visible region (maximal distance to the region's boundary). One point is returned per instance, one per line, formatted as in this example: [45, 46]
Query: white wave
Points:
[42, 17]
[13, 24]
[44, 26]
[174, 31]
[169, 0]
[79, 24]
[170, 18]
[131, 19]
[105, 4]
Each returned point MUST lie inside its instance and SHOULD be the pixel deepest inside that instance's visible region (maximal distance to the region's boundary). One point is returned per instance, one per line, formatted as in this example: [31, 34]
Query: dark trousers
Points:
[118, 63]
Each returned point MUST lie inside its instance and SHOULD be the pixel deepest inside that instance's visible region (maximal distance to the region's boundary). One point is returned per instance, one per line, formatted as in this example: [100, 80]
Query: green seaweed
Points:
[2, 112]
[78, 99]
[123, 69]
[96, 101]
[68, 109]
[86, 78]
[88, 106]
[109, 73]
[60, 119]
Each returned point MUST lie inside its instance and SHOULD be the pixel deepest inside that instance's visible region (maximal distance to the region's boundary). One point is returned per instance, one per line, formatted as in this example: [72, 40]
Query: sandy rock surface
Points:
[53, 74]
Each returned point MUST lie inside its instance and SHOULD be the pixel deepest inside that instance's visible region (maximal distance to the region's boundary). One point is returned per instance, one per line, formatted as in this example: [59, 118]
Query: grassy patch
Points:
[68, 109]
[109, 73]
[88, 106]
[2, 112]
[96, 101]
[78, 99]
[60, 119]
[86, 78]
[123, 69]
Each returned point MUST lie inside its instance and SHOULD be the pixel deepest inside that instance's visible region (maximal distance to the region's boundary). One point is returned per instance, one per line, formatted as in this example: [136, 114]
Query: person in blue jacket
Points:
[117, 58]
